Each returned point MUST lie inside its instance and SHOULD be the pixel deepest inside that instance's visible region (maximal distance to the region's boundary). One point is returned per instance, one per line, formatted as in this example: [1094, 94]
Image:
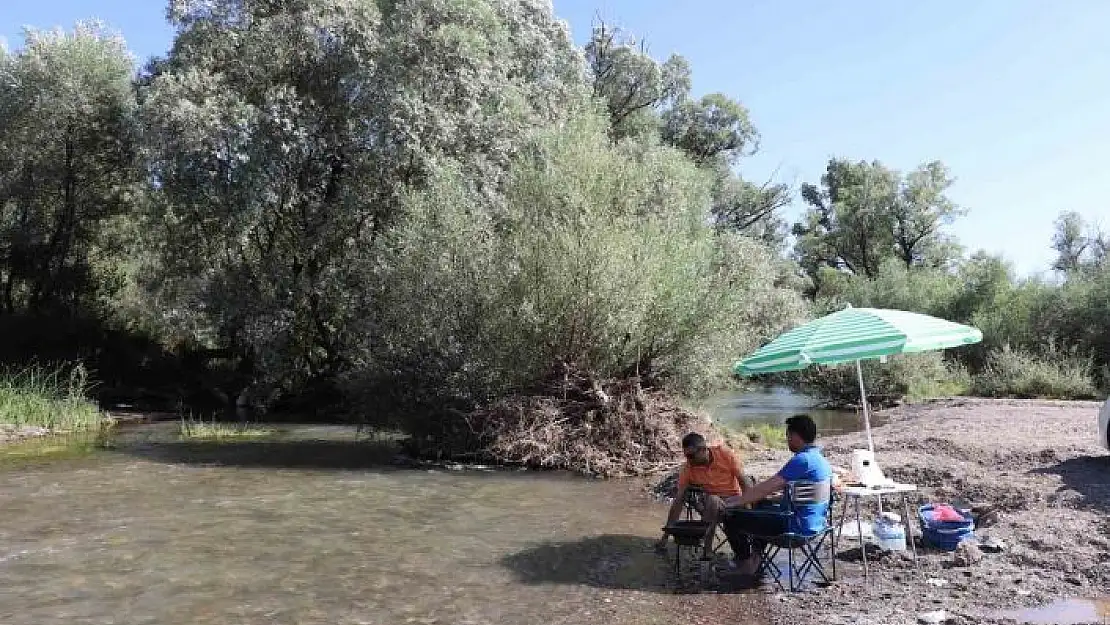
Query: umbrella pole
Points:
[867, 426]
[866, 413]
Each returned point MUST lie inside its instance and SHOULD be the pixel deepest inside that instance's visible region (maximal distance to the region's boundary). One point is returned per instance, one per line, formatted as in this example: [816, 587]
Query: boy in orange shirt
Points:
[718, 472]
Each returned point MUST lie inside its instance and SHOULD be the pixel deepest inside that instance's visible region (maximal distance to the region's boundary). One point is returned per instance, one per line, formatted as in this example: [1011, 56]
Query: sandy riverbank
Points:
[1036, 463]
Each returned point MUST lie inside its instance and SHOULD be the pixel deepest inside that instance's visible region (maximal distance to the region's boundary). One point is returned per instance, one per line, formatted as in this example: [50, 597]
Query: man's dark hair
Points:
[803, 426]
[693, 440]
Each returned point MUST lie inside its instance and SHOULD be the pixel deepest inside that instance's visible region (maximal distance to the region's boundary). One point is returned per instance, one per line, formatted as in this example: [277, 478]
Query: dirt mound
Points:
[610, 428]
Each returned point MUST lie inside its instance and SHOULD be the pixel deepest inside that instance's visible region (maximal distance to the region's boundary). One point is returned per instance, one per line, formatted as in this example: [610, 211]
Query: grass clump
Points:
[194, 429]
[1053, 374]
[765, 435]
[52, 398]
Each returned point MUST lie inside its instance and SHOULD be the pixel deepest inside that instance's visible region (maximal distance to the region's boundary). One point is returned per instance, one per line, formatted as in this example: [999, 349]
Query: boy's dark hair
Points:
[803, 426]
[693, 440]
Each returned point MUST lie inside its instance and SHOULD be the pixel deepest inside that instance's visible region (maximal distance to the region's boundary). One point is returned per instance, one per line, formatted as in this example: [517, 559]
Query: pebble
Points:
[932, 618]
[967, 554]
[992, 545]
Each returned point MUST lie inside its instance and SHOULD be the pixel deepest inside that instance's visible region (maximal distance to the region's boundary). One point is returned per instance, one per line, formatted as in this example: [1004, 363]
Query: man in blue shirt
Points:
[807, 465]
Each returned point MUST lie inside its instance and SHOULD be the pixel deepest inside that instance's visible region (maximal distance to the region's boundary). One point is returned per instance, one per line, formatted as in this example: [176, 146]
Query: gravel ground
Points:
[1044, 487]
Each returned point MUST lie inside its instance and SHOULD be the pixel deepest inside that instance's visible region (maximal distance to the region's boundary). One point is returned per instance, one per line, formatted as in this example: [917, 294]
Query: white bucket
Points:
[890, 534]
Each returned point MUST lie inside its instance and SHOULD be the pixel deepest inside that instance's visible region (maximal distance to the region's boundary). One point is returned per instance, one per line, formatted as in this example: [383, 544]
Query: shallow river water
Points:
[773, 405]
[314, 529]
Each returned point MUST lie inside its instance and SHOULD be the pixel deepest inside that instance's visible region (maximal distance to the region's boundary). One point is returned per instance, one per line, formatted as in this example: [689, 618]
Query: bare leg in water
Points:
[711, 509]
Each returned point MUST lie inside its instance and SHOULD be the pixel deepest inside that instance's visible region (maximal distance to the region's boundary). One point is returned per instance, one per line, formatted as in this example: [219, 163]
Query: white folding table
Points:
[858, 493]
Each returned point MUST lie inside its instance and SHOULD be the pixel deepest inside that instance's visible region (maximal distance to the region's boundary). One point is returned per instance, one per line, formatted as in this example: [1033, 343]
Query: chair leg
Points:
[812, 554]
[768, 566]
[789, 567]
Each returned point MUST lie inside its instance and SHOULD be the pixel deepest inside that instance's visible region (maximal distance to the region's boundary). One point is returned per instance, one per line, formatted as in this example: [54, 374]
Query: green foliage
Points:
[649, 102]
[53, 398]
[864, 213]
[69, 170]
[765, 435]
[927, 290]
[909, 376]
[632, 85]
[601, 262]
[193, 429]
[284, 141]
[710, 128]
[1079, 246]
[1052, 374]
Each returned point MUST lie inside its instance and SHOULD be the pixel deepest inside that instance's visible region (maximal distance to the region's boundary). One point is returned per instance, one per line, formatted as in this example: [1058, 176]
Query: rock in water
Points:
[967, 554]
[932, 618]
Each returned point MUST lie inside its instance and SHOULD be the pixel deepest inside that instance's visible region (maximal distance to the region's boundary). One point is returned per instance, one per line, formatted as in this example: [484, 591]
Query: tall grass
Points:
[50, 397]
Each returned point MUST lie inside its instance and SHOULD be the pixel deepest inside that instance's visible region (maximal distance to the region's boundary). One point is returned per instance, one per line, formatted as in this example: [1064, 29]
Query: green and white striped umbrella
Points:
[856, 334]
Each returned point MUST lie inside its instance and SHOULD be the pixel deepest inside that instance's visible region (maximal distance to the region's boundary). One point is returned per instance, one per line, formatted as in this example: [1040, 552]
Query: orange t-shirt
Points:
[718, 477]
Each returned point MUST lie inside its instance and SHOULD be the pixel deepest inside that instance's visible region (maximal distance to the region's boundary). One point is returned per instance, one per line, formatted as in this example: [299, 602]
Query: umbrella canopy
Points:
[856, 334]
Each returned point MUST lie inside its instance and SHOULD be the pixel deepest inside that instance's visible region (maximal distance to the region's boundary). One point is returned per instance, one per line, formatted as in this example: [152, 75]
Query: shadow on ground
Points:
[619, 562]
[1087, 475]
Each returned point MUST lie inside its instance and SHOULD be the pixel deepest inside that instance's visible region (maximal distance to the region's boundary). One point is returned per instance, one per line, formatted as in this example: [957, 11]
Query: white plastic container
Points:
[864, 468]
[889, 532]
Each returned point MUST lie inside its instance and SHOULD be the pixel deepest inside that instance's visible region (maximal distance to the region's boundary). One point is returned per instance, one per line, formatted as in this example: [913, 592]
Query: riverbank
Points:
[1036, 464]
[11, 433]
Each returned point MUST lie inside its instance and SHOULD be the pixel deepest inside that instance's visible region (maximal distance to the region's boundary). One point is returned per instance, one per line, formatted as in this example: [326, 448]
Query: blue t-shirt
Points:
[808, 465]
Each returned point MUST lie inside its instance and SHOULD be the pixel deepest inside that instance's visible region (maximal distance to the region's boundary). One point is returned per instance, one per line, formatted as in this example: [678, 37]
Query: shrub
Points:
[1052, 374]
[909, 376]
[599, 262]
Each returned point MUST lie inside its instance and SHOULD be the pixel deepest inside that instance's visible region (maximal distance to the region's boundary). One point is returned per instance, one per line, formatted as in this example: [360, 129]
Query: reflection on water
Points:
[773, 405]
[311, 532]
[1069, 612]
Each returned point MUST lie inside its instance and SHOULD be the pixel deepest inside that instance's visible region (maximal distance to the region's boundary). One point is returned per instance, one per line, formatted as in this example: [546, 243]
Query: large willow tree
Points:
[283, 134]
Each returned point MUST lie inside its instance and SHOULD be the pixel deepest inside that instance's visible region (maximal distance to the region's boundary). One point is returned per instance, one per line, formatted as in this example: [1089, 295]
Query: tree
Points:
[920, 213]
[864, 213]
[742, 206]
[848, 225]
[1078, 246]
[68, 168]
[632, 85]
[283, 139]
[713, 127]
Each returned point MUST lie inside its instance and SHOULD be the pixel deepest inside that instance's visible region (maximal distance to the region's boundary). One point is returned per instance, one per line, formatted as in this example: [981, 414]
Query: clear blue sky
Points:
[1014, 95]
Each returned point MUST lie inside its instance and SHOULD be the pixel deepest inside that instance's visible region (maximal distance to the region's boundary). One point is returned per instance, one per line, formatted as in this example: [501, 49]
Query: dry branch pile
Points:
[614, 428]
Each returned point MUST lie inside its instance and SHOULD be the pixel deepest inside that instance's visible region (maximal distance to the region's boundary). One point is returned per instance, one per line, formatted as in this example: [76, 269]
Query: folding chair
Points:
[808, 545]
[689, 532]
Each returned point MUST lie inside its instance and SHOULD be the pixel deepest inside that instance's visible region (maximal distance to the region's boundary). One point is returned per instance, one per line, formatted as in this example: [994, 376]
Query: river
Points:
[315, 528]
[773, 405]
